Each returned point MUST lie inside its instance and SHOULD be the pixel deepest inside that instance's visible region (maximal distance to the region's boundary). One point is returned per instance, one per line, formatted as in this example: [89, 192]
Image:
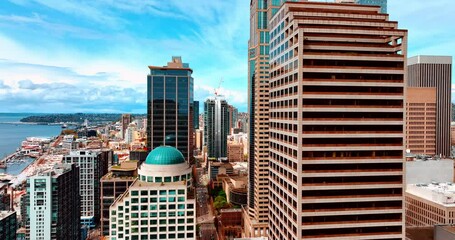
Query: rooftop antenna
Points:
[219, 87]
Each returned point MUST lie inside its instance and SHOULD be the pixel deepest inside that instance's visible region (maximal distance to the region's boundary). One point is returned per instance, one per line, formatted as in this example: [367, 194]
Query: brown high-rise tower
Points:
[435, 72]
[336, 97]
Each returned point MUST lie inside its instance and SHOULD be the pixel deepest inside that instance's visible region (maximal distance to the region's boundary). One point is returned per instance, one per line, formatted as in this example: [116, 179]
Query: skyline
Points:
[66, 56]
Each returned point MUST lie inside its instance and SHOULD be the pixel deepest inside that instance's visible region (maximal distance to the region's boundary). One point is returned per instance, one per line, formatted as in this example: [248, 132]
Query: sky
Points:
[66, 56]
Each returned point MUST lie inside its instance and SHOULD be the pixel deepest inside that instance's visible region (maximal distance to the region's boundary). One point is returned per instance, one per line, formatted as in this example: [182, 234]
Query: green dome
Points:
[165, 155]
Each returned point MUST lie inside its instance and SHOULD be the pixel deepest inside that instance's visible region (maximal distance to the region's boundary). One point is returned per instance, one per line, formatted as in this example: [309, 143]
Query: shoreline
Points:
[32, 123]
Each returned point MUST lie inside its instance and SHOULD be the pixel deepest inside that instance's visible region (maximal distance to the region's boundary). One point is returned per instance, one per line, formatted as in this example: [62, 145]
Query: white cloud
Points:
[216, 48]
[233, 97]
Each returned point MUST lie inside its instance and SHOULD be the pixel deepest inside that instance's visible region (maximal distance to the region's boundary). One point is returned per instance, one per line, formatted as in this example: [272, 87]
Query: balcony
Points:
[353, 198]
[344, 224]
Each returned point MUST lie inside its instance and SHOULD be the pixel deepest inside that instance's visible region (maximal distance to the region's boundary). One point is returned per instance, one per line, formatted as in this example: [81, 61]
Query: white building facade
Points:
[160, 204]
[90, 170]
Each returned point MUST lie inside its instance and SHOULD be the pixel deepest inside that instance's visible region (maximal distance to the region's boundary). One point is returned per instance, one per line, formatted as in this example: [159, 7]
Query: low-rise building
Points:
[69, 142]
[430, 204]
[444, 232]
[236, 190]
[113, 184]
[216, 168]
[229, 223]
[235, 152]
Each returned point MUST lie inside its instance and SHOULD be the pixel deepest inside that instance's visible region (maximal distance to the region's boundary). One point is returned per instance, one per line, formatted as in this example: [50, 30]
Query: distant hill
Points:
[76, 118]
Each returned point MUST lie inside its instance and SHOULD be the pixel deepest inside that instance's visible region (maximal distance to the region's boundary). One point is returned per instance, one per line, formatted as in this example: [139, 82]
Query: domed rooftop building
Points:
[165, 164]
[165, 155]
[163, 190]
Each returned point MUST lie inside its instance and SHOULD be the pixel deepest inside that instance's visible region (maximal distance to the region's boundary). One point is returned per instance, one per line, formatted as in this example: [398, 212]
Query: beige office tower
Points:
[256, 213]
[435, 72]
[337, 78]
[421, 120]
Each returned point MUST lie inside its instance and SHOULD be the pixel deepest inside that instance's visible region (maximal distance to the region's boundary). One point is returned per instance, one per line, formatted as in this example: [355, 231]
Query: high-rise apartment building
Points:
[8, 225]
[256, 215]
[5, 197]
[196, 115]
[114, 184]
[233, 116]
[216, 126]
[337, 78]
[421, 120]
[160, 204]
[435, 72]
[199, 139]
[52, 204]
[170, 107]
[125, 120]
[92, 166]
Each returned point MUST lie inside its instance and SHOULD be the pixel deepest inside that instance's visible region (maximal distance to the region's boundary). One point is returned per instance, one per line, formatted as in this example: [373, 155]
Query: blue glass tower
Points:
[381, 3]
[170, 107]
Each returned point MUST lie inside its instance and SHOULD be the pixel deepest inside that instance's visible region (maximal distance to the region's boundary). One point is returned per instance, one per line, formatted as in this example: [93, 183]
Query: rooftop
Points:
[440, 193]
[175, 64]
[5, 214]
[430, 60]
[165, 155]
[110, 176]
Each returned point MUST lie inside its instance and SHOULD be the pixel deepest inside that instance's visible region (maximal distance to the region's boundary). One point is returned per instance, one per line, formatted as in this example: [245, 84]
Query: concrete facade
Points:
[93, 165]
[160, 204]
[430, 204]
[52, 204]
[256, 215]
[421, 120]
[235, 152]
[336, 123]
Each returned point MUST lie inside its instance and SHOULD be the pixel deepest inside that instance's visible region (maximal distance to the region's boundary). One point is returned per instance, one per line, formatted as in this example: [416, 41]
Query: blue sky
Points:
[92, 55]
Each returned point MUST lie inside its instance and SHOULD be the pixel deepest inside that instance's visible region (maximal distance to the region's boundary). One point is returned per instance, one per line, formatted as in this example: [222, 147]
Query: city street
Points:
[204, 213]
[205, 217]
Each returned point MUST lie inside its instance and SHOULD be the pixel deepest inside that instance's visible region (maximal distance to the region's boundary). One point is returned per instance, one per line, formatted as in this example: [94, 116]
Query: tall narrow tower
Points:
[170, 107]
[435, 72]
[216, 126]
[256, 213]
[125, 120]
[337, 78]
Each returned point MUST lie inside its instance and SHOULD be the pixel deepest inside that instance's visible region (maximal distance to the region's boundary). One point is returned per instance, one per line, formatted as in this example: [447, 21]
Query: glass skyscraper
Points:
[216, 126]
[196, 115]
[170, 107]
[381, 3]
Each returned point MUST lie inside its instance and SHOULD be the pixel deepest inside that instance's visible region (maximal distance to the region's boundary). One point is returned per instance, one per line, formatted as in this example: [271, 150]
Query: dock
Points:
[11, 158]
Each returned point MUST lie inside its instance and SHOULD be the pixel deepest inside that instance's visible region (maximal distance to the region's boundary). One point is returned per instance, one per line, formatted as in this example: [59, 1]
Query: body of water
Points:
[12, 133]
